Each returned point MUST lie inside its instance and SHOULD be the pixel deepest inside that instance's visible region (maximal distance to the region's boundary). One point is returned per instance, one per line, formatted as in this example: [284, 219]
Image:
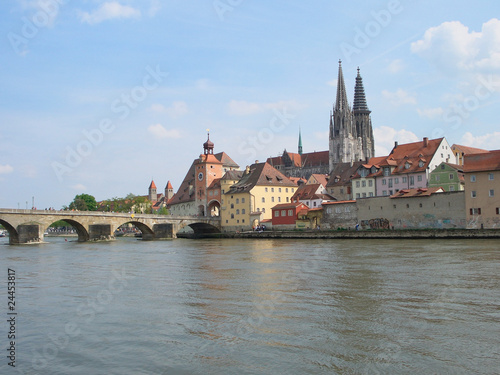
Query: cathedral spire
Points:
[359, 104]
[300, 142]
[341, 103]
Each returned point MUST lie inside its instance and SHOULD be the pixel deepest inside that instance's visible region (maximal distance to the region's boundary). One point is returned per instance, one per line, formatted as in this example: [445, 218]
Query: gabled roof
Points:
[411, 157]
[298, 180]
[422, 192]
[466, 150]
[306, 192]
[343, 173]
[232, 175]
[226, 160]
[262, 174]
[488, 161]
[182, 195]
[215, 184]
[320, 178]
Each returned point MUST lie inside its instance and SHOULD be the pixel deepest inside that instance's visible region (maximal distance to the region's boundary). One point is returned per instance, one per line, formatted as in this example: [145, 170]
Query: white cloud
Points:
[245, 108]
[385, 137]
[399, 97]
[451, 46]
[177, 109]
[395, 66]
[487, 141]
[160, 132]
[154, 8]
[5, 169]
[109, 10]
[79, 187]
[431, 113]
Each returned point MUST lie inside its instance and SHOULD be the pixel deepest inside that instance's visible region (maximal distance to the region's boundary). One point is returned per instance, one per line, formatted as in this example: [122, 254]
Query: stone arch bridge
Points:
[26, 226]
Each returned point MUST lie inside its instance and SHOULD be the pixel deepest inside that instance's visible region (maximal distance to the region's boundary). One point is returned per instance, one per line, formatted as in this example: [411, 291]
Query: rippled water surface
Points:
[254, 307]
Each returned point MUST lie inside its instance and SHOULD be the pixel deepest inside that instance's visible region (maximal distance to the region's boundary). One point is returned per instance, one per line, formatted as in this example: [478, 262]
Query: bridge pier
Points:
[28, 233]
[100, 232]
[163, 232]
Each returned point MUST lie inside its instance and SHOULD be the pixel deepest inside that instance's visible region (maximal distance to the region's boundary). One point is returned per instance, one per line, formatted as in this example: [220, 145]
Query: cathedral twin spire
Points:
[351, 134]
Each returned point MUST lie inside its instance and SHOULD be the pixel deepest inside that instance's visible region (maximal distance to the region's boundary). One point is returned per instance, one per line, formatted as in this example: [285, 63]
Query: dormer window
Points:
[421, 163]
[387, 171]
[407, 165]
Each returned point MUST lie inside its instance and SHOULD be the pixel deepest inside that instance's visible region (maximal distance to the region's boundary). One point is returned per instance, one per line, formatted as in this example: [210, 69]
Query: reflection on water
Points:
[256, 307]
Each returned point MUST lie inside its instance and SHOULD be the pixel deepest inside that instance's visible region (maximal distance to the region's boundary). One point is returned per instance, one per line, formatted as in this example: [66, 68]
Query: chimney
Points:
[395, 144]
[426, 141]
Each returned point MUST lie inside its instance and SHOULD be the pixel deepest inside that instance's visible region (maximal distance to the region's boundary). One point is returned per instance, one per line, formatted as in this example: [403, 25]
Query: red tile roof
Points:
[152, 185]
[488, 161]
[466, 150]
[310, 159]
[412, 193]
[320, 178]
[169, 185]
[262, 174]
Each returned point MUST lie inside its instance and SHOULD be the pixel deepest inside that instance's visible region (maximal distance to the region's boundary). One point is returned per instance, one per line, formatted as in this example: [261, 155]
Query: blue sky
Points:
[99, 97]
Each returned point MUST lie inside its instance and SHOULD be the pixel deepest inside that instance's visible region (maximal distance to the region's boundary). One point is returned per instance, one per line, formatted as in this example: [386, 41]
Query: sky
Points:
[100, 97]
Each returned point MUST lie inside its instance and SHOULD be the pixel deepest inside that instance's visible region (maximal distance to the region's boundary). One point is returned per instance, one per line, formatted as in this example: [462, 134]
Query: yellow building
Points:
[250, 200]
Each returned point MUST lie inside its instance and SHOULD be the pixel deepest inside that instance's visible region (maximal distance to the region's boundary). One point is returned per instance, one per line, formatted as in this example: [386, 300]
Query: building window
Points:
[237, 200]
[473, 194]
[442, 166]
[242, 200]
[347, 209]
[370, 183]
[314, 203]
[404, 180]
[407, 205]
[475, 211]
[394, 206]
[232, 205]
[412, 180]
[490, 176]
[290, 212]
[266, 190]
[370, 194]
[387, 171]
[272, 199]
[357, 184]
[498, 210]
[472, 178]
[420, 205]
[492, 193]
[452, 177]
[264, 210]
[341, 191]
[419, 177]
[237, 212]
[396, 180]
[263, 199]
[437, 178]
[276, 213]
[391, 192]
[286, 190]
[243, 220]
[384, 192]
[272, 190]
[232, 216]
[452, 187]
[238, 221]
[338, 210]
[243, 211]
[364, 195]
[363, 183]
[390, 182]
[287, 199]
[283, 213]
[384, 181]
[279, 199]
[279, 190]
[358, 196]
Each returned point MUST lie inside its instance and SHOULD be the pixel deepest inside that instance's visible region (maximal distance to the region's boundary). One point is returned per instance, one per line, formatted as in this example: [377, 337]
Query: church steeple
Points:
[341, 103]
[300, 142]
[359, 96]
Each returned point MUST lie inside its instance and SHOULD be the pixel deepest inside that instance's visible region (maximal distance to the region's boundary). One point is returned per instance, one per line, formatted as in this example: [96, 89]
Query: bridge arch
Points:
[83, 234]
[147, 231]
[202, 228]
[13, 234]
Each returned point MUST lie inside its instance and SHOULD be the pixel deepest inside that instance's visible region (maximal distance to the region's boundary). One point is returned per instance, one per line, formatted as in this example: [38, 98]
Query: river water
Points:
[253, 307]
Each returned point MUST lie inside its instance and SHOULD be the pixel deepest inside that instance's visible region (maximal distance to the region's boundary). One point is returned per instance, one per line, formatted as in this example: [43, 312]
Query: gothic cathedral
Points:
[351, 134]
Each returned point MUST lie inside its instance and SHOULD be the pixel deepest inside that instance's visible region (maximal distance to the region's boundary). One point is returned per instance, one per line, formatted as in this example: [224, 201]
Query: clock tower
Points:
[207, 169]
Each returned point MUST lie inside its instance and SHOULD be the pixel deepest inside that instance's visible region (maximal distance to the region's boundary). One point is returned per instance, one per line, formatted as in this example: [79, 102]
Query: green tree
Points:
[163, 211]
[83, 202]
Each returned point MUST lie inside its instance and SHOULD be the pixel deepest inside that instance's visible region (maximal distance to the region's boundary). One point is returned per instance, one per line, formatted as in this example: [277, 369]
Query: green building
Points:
[448, 176]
